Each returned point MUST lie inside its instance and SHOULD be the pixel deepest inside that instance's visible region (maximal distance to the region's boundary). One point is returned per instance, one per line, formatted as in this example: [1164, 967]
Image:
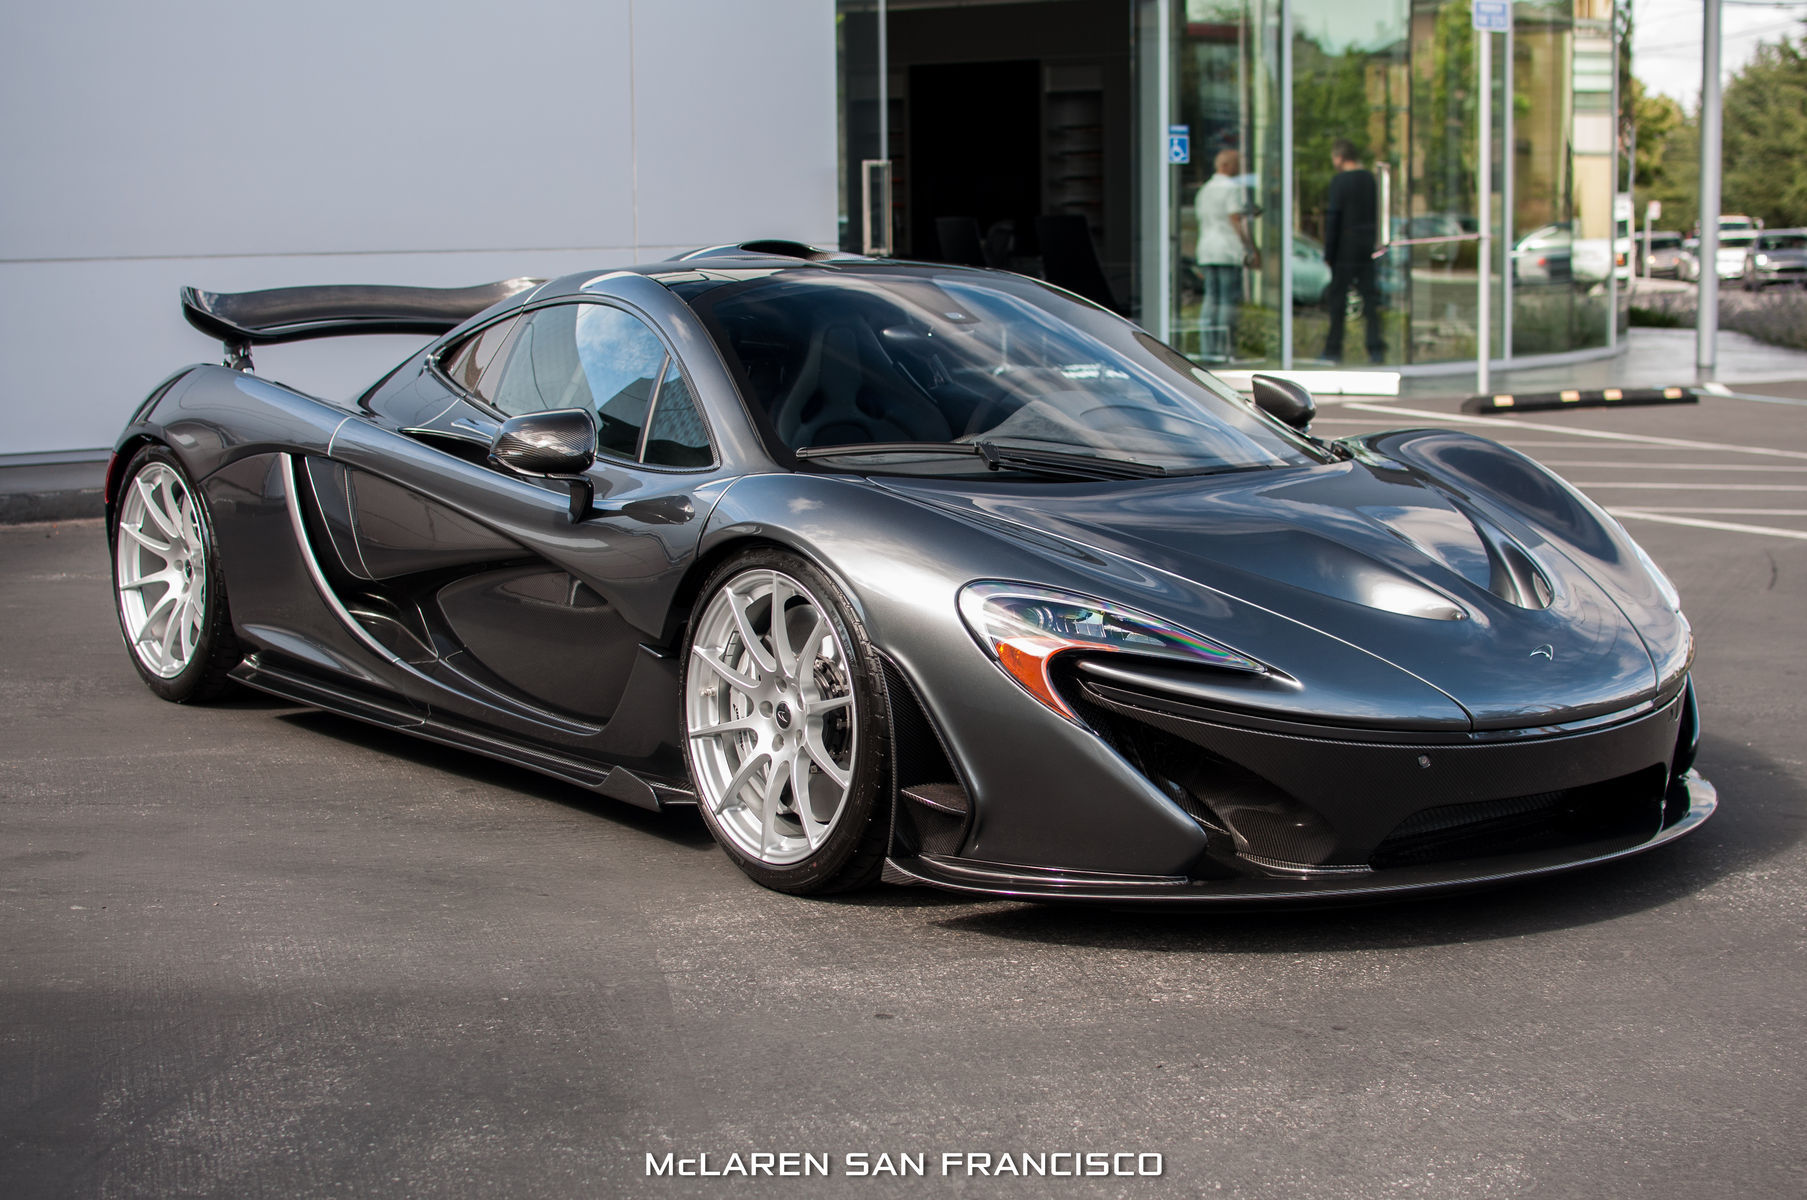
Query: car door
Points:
[528, 620]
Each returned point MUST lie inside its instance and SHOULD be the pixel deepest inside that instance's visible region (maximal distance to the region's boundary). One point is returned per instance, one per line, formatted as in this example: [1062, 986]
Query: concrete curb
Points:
[20, 508]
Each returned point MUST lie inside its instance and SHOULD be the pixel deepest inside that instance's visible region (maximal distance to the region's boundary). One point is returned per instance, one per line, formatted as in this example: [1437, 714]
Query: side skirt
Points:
[617, 783]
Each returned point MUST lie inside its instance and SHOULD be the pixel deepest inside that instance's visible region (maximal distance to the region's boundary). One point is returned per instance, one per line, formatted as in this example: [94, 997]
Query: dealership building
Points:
[235, 146]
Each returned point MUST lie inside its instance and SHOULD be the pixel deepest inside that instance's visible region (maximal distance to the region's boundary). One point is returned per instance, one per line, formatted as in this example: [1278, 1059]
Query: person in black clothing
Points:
[1350, 226]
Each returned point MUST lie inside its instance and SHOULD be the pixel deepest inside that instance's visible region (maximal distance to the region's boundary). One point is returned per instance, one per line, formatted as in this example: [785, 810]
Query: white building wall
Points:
[236, 144]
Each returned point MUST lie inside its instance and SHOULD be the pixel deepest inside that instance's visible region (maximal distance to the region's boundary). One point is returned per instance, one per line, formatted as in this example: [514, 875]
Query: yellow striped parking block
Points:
[1580, 398]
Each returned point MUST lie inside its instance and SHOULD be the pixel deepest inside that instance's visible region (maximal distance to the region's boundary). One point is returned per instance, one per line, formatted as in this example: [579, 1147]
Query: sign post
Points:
[1488, 17]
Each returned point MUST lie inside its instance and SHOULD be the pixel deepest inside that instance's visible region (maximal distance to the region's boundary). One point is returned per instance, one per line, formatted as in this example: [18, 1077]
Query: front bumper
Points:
[1293, 813]
[1693, 797]
[1791, 273]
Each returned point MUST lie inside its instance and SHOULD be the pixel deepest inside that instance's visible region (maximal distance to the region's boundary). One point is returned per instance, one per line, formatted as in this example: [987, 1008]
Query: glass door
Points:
[1351, 181]
[1227, 199]
[865, 167]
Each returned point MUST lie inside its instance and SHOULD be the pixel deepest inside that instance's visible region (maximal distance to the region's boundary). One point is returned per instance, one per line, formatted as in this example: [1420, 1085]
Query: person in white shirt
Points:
[1224, 249]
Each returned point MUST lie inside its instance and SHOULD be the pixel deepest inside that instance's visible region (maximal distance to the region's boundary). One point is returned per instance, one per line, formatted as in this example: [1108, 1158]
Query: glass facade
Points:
[1304, 172]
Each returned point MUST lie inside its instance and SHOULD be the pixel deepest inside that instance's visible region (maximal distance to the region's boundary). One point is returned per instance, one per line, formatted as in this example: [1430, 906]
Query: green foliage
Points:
[1674, 176]
[1444, 111]
[1643, 317]
[1765, 140]
[1332, 88]
[1766, 136]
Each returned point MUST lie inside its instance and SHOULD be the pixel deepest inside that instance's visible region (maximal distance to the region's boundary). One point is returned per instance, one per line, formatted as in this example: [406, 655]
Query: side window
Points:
[584, 356]
[472, 357]
[622, 359]
[677, 437]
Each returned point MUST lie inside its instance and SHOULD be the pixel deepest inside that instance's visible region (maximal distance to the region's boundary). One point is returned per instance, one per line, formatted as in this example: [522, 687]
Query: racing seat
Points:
[848, 391]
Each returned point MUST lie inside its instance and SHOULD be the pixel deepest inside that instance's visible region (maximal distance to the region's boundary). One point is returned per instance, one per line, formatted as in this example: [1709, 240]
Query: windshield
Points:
[1784, 241]
[925, 357]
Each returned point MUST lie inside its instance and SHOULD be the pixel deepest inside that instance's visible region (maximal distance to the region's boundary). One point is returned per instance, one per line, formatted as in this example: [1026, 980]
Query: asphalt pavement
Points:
[247, 950]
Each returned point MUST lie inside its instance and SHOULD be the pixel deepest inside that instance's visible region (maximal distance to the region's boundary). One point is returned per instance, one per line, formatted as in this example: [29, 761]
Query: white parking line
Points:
[1764, 399]
[1694, 487]
[1541, 445]
[1696, 523]
[1666, 466]
[1606, 435]
[1725, 512]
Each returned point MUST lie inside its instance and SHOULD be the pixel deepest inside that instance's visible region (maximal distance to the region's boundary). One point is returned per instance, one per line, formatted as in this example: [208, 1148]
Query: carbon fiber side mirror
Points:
[1284, 400]
[560, 444]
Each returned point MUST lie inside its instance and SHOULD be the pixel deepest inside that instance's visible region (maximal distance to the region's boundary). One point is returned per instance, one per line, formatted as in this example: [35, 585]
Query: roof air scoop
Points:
[768, 248]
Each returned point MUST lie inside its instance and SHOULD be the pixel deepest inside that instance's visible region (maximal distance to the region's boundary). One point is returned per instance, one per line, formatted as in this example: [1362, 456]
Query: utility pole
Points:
[1486, 17]
[1706, 323]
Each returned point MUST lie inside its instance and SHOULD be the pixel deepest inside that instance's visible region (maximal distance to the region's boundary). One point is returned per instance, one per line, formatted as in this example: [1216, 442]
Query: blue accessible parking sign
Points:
[1179, 144]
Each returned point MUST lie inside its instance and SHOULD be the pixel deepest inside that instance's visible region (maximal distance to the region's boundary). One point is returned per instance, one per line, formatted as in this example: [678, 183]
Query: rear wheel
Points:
[170, 595]
[786, 727]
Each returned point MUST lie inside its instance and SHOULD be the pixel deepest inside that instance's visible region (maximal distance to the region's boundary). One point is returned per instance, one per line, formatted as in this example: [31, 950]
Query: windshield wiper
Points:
[1087, 466]
[998, 458]
[864, 449]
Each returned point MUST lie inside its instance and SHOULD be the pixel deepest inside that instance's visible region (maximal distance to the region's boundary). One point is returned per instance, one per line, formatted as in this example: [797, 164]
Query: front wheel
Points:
[169, 592]
[786, 726]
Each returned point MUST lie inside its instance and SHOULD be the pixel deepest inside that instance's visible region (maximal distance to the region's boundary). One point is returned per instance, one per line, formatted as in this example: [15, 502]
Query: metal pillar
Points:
[1159, 189]
[1706, 325]
[1286, 184]
[1508, 189]
[1484, 260]
[1612, 192]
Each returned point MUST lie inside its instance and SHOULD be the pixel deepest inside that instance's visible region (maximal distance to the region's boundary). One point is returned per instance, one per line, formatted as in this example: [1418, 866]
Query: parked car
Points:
[1777, 256]
[1544, 255]
[1662, 254]
[1432, 225]
[1552, 254]
[1733, 247]
[925, 571]
[1311, 274]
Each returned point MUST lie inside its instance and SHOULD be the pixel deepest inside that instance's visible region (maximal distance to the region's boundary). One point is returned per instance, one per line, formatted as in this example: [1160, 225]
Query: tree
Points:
[1668, 157]
[1766, 136]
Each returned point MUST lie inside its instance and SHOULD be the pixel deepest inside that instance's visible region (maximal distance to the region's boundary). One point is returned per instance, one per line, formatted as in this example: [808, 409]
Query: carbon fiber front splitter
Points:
[1342, 886]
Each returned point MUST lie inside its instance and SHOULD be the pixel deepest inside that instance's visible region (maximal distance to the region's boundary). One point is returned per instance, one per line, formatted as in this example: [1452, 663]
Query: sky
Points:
[1665, 39]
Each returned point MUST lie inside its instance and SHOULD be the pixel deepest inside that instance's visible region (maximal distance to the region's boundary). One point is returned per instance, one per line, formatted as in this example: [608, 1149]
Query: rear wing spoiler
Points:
[243, 319]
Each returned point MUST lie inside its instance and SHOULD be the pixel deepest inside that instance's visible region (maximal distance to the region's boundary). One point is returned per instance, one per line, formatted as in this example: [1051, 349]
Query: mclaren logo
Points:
[1545, 651]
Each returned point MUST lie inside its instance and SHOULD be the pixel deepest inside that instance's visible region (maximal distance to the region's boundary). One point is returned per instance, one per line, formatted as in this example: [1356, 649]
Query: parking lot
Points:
[250, 950]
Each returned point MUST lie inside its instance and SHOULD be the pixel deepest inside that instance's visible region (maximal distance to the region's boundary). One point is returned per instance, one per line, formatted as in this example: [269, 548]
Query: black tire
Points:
[853, 853]
[216, 649]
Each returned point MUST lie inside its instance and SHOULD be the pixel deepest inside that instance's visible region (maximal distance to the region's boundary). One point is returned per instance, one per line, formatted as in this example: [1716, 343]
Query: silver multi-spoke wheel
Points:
[161, 570]
[772, 716]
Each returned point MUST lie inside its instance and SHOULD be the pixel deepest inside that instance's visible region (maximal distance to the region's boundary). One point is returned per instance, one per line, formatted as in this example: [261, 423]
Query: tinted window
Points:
[677, 437]
[914, 355]
[471, 357]
[1785, 241]
[585, 356]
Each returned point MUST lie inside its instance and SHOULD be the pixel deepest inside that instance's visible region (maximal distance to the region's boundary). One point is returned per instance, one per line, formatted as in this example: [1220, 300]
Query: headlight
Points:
[1762, 260]
[1023, 627]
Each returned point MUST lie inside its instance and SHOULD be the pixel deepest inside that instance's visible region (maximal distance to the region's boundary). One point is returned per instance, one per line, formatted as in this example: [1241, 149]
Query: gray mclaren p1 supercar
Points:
[914, 572]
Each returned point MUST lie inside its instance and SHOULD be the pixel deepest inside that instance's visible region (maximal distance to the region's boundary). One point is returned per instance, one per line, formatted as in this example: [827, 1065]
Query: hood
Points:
[1370, 552]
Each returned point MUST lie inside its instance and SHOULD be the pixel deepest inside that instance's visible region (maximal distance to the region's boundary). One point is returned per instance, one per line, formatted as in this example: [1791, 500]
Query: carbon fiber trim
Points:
[934, 809]
[1312, 802]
